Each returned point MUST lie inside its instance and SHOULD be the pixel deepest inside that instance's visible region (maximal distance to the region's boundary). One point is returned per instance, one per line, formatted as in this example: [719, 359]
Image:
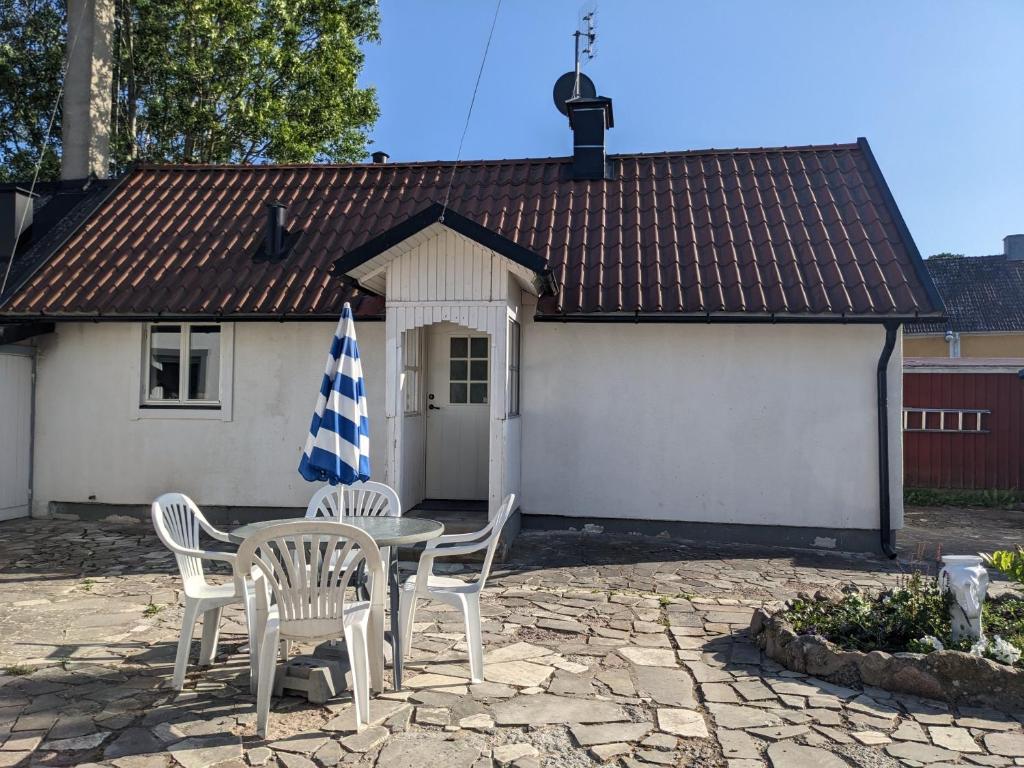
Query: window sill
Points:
[182, 412]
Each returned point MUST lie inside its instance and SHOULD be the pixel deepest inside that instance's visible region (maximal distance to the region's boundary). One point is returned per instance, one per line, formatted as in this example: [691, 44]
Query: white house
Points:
[702, 342]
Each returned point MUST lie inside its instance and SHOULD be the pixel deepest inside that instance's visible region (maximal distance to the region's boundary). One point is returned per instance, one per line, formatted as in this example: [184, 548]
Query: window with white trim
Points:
[514, 336]
[182, 365]
[411, 371]
[969, 420]
[468, 370]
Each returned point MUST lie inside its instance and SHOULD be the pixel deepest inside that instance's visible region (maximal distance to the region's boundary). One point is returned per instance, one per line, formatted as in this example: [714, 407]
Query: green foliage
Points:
[204, 81]
[152, 610]
[31, 50]
[907, 618]
[18, 670]
[1009, 563]
[888, 621]
[937, 497]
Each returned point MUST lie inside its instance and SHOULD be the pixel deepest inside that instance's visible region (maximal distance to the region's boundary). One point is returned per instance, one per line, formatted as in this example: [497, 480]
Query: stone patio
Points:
[622, 650]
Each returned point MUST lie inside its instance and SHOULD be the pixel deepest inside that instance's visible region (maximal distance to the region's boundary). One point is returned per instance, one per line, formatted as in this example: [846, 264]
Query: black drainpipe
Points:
[884, 507]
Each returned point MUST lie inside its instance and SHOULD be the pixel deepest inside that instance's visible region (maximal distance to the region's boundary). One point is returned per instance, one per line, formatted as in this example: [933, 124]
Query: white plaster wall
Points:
[89, 447]
[750, 424]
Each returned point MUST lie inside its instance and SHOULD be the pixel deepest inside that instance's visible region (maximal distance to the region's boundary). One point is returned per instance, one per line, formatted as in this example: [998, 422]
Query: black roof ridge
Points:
[478, 162]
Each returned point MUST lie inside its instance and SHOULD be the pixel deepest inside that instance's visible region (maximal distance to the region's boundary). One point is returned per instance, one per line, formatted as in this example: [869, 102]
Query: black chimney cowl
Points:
[379, 157]
[274, 240]
[589, 118]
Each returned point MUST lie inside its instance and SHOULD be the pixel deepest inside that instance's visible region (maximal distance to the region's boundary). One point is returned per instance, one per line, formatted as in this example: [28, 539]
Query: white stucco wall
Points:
[751, 424]
[755, 424]
[90, 443]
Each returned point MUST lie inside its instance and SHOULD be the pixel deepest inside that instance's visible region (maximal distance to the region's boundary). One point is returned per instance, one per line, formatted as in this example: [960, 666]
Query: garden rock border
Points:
[952, 676]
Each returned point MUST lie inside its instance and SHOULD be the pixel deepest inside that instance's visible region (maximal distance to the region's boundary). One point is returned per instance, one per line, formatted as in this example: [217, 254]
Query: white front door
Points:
[15, 434]
[458, 397]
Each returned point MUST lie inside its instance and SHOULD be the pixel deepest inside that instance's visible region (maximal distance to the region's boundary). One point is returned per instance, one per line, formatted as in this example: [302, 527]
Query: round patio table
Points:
[390, 532]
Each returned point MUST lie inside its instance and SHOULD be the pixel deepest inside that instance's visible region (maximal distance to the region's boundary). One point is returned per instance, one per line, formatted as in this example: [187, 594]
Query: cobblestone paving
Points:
[627, 651]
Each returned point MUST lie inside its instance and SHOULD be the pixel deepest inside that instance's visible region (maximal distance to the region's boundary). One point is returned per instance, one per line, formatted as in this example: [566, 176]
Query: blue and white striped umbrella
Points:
[338, 447]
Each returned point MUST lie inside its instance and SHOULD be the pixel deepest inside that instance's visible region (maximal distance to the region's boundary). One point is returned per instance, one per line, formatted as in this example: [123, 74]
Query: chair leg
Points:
[406, 616]
[265, 685]
[211, 631]
[188, 626]
[359, 661]
[254, 631]
[471, 614]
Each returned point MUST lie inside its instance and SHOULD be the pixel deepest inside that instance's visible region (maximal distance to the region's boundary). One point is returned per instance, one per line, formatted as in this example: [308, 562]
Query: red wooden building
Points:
[963, 423]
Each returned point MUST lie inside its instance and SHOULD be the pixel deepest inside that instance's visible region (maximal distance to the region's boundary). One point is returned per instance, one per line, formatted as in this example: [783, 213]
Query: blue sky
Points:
[936, 86]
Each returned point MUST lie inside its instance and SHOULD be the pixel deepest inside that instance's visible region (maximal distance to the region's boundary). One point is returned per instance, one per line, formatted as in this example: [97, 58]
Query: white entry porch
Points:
[452, 365]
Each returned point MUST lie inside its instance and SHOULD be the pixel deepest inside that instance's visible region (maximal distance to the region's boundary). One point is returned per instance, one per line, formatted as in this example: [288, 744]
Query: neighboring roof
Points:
[963, 364]
[788, 233]
[981, 293]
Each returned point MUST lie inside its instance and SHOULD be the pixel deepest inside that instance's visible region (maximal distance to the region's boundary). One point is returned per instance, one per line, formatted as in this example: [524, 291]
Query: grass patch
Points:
[939, 497]
[18, 670]
[152, 610]
[88, 584]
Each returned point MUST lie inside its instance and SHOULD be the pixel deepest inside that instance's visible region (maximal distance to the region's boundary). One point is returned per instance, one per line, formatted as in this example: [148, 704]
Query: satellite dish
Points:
[564, 87]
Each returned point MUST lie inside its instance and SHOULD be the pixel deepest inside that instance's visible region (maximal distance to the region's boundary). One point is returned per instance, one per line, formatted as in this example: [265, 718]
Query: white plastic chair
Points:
[310, 598]
[178, 521]
[463, 595]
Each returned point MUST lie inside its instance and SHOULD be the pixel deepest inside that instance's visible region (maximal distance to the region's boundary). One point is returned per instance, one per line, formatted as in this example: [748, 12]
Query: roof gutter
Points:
[882, 381]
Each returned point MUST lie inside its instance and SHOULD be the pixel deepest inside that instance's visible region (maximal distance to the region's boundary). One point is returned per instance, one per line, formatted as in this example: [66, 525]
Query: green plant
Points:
[888, 621]
[87, 585]
[17, 670]
[152, 610]
[1010, 563]
[940, 497]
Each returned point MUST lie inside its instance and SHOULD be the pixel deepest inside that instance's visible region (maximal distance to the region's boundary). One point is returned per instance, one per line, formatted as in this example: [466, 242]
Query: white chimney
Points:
[88, 89]
[1013, 247]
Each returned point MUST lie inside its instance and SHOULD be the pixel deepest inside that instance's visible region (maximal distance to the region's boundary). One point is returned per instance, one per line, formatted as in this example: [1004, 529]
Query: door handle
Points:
[433, 407]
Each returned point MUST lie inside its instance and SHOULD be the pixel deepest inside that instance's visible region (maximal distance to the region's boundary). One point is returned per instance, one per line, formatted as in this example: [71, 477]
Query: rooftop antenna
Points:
[585, 34]
[575, 84]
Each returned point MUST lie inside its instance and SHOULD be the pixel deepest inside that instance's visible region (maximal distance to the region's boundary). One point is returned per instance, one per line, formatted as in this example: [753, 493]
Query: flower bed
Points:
[900, 640]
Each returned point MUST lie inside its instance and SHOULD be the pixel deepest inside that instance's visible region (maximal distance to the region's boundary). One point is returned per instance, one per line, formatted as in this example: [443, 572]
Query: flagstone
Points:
[682, 722]
[779, 732]
[737, 745]
[510, 753]
[547, 709]
[519, 673]
[366, 739]
[649, 657]
[605, 752]
[1005, 744]
[409, 751]
[732, 716]
[789, 754]
[957, 739]
[204, 751]
[90, 741]
[515, 652]
[871, 738]
[588, 735]
[921, 753]
[671, 687]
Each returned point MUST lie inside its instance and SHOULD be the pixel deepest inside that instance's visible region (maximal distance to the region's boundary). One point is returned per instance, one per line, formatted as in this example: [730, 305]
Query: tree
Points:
[203, 81]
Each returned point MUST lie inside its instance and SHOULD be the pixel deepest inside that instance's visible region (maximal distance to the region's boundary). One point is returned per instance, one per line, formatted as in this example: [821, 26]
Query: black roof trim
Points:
[908, 241]
[723, 317]
[438, 214]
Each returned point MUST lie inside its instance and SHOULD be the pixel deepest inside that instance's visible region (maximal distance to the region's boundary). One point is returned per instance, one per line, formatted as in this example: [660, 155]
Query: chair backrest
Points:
[297, 560]
[177, 521]
[495, 528]
[367, 499]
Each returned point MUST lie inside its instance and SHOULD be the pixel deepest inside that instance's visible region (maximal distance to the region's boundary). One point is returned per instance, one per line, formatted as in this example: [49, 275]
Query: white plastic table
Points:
[391, 532]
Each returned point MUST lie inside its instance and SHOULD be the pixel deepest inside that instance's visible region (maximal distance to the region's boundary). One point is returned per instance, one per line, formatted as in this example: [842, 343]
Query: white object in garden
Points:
[967, 579]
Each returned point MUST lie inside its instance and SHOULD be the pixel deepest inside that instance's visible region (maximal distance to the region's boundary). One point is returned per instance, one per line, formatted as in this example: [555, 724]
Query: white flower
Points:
[1005, 651]
[979, 648]
[934, 642]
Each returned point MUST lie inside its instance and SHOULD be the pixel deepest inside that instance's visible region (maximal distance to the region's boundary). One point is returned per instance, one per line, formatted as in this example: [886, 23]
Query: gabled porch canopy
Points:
[366, 265]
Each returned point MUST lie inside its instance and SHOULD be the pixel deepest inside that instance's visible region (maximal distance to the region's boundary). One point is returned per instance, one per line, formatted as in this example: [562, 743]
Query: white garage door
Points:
[15, 433]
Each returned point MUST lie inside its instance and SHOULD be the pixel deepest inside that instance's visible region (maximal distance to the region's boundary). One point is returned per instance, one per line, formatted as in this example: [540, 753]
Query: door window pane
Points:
[204, 362]
[164, 362]
[478, 346]
[458, 370]
[457, 393]
[459, 346]
[478, 393]
[478, 370]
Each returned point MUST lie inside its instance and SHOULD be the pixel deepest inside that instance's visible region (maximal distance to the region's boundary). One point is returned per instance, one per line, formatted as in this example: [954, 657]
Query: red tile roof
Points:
[804, 232]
